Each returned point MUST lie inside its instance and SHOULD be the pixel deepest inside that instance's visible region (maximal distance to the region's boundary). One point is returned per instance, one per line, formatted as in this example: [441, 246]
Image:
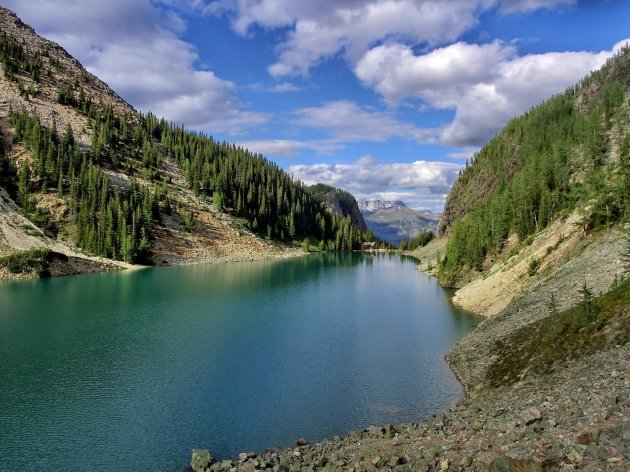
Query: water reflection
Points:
[137, 368]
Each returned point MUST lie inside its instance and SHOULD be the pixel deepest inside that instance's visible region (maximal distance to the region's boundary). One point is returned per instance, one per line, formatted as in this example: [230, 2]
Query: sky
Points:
[383, 98]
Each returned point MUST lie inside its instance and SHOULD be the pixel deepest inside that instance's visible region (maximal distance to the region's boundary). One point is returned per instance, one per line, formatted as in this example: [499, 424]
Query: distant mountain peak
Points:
[373, 205]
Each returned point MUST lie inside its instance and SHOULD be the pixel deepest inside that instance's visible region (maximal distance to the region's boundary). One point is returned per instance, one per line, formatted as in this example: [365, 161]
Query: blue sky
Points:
[385, 98]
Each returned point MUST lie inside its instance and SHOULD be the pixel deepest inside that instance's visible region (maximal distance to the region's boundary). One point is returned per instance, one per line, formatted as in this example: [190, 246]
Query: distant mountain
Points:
[393, 221]
[373, 205]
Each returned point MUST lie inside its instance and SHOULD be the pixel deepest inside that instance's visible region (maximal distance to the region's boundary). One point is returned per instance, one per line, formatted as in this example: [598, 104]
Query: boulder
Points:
[201, 460]
[390, 430]
[531, 415]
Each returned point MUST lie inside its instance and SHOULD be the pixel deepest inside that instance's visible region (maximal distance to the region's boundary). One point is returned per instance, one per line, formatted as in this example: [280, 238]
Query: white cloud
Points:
[424, 184]
[344, 120]
[393, 196]
[321, 29]
[520, 83]
[324, 28]
[485, 84]
[284, 87]
[464, 154]
[440, 77]
[288, 147]
[275, 147]
[511, 6]
[134, 47]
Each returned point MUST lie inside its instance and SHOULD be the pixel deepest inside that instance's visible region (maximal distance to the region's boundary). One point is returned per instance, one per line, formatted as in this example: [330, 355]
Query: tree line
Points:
[247, 185]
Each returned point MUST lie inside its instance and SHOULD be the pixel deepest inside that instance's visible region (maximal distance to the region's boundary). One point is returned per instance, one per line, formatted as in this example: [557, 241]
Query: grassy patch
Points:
[545, 344]
[29, 230]
[33, 260]
[534, 265]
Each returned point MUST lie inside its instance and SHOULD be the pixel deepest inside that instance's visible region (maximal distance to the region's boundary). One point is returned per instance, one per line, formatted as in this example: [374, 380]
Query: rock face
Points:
[339, 202]
[373, 205]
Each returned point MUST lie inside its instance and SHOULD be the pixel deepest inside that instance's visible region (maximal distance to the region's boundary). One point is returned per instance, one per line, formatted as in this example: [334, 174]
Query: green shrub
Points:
[534, 265]
[35, 260]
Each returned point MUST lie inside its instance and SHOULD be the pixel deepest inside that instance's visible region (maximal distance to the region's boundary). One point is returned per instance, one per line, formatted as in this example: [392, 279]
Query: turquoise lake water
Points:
[129, 371]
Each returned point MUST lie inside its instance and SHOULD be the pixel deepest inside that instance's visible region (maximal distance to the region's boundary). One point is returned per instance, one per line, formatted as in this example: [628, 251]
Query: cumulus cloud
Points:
[288, 147]
[510, 6]
[324, 28]
[134, 47]
[519, 84]
[424, 184]
[284, 87]
[464, 154]
[440, 77]
[346, 121]
[275, 147]
[485, 84]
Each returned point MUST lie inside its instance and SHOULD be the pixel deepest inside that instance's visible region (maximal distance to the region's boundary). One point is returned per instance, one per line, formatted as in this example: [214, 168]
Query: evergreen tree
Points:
[553, 316]
[626, 255]
[588, 309]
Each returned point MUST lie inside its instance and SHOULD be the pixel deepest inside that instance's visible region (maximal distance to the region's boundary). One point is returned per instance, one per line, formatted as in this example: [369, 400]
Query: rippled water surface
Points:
[130, 371]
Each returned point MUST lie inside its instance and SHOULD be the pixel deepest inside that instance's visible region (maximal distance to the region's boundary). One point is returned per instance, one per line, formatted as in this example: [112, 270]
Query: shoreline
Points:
[567, 417]
[91, 264]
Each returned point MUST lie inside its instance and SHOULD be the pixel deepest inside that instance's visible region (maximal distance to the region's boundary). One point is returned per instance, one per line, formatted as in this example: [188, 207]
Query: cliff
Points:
[339, 202]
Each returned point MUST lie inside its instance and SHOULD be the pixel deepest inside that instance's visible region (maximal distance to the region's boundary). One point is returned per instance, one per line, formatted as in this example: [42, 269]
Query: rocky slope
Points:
[563, 258]
[210, 236]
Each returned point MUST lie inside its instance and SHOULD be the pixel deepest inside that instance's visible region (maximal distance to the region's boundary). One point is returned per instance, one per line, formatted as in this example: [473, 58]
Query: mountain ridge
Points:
[373, 205]
[161, 195]
[339, 202]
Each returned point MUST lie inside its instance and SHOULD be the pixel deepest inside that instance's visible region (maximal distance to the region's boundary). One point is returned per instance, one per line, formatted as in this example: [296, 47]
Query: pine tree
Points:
[626, 255]
[553, 316]
[588, 309]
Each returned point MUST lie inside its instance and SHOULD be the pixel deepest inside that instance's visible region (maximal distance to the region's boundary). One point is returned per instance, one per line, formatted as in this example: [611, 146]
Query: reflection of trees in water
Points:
[270, 275]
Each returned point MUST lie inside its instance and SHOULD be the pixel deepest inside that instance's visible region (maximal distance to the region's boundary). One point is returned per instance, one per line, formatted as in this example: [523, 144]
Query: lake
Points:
[129, 371]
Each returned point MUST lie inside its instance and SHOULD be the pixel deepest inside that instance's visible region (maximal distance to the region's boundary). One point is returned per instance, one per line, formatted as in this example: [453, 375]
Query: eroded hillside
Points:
[99, 179]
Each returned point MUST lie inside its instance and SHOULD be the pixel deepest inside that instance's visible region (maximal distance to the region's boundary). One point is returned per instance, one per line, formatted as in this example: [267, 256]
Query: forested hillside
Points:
[339, 202]
[571, 152]
[87, 168]
[248, 185]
